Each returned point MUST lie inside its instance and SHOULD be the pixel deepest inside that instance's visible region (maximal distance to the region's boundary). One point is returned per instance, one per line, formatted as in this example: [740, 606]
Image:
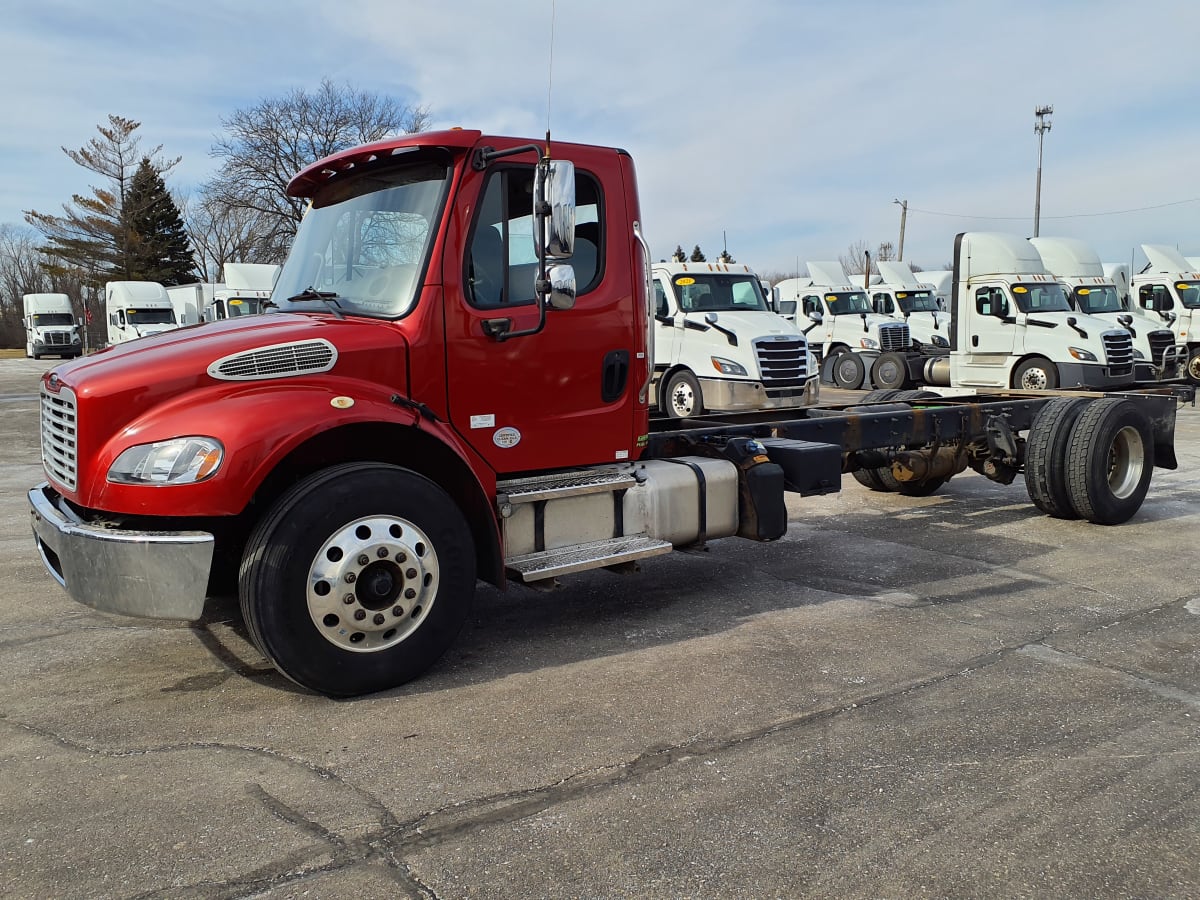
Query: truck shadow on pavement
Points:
[960, 547]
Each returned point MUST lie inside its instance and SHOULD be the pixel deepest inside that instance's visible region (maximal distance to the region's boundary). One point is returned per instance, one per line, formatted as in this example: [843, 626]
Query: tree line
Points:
[131, 227]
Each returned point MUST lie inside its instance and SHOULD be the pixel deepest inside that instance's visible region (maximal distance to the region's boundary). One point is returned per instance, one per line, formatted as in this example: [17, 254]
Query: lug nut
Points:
[381, 552]
[397, 610]
[378, 619]
[363, 559]
[401, 557]
[350, 577]
[360, 614]
[410, 594]
[410, 573]
[348, 599]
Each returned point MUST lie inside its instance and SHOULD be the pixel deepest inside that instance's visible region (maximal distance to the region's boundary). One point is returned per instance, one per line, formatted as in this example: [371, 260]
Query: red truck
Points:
[454, 386]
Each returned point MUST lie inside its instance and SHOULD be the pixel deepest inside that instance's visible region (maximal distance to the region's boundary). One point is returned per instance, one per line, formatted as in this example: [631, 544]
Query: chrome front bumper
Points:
[154, 574]
[724, 395]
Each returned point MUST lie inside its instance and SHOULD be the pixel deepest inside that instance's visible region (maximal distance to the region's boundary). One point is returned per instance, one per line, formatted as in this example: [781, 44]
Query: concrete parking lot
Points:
[952, 696]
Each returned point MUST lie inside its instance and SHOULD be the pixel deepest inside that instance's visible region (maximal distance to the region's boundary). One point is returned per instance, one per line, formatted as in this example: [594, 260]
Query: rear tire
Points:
[891, 371]
[358, 580]
[1046, 456]
[849, 370]
[1109, 462]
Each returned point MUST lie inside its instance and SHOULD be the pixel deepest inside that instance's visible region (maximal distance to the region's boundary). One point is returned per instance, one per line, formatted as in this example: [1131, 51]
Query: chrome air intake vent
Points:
[276, 361]
[58, 437]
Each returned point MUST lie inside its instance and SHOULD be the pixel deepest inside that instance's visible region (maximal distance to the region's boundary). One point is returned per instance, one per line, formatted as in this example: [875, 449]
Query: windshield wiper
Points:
[329, 298]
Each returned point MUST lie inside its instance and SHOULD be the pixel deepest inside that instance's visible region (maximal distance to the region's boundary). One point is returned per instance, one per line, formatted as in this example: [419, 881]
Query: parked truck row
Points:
[445, 404]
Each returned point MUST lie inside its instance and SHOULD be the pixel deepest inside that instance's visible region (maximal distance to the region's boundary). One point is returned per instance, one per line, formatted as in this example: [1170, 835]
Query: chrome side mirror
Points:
[554, 205]
[562, 287]
[710, 318]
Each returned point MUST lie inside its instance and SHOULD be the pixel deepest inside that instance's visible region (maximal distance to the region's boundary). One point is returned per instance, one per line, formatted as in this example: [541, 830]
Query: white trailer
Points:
[190, 301]
[1169, 288]
[137, 309]
[851, 335]
[719, 347]
[50, 326]
[1090, 290]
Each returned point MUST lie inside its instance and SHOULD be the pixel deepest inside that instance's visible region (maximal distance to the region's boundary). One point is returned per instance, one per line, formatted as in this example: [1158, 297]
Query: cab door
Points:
[990, 338]
[567, 395]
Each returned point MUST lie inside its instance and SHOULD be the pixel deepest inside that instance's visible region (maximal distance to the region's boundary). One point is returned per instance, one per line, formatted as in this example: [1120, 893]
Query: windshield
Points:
[245, 306]
[917, 301]
[1189, 293]
[847, 303]
[364, 242]
[41, 321]
[150, 316]
[719, 293]
[1101, 298]
[1036, 298]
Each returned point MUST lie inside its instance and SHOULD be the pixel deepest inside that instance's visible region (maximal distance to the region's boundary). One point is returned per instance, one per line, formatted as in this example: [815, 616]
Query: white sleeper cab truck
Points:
[903, 296]
[245, 292]
[850, 334]
[1090, 290]
[1169, 288]
[137, 309]
[718, 347]
[941, 282]
[50, 328]
[1013, 325]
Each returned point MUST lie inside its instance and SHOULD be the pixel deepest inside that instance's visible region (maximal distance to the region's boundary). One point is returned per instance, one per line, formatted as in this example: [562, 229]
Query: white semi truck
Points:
[718, 346]
[50, 327]
[1014, 327]
[136, 309]
[1090, 290]
[245, 291]
[851, 335]
[1169, 288]
[905, 296]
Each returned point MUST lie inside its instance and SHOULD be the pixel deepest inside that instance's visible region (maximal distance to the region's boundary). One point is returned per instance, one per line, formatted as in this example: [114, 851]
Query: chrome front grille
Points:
[1118, 351]
[276, 361]
[894, 336]
[782, 360]
[1159, 342]
[58, 338]
[59, 435]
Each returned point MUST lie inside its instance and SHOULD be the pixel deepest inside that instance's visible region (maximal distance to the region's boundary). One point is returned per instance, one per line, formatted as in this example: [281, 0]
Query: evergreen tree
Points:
[159, 249]
[725, 257]
[696, 256]
[678, 256]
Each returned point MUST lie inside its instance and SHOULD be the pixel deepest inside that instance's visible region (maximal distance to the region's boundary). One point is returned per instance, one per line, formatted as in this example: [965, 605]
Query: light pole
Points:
[903, 216]
[1040, 127]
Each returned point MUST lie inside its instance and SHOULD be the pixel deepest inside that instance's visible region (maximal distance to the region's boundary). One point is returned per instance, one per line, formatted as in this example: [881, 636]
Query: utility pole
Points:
[903, 216]
[1040, 127]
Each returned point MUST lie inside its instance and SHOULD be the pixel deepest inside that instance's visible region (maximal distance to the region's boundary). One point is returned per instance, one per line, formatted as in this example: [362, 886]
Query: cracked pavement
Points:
[950, 696]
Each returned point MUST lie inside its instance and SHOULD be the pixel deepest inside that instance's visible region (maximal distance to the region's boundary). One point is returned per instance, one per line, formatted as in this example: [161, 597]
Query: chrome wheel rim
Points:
[683, 399]
[1126, 460]
[1034, 380]
[372, 583]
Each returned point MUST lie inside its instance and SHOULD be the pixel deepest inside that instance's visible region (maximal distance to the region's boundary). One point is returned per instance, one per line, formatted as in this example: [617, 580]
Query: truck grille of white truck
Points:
[894, 337]
[782, 361]
[1118, 350]
[1159, 342]
[58, 437]
[58, 338]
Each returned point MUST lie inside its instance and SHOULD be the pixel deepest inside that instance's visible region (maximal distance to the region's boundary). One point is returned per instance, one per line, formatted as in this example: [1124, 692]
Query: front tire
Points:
[1035, 375]
[848, 370]
[358, 580]
[683, 396]
[1193, 366]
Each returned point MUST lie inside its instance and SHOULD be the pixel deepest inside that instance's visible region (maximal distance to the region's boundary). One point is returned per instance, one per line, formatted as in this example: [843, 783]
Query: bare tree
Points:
[222, 234]
[854, 261]
[269, 143]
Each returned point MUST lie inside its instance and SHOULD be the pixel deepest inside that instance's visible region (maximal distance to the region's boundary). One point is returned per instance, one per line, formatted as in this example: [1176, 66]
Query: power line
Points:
[1115, 212]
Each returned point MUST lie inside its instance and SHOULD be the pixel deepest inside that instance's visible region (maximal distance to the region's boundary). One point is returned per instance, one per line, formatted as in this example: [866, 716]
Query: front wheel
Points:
[1193, 365]
[1036, 375]
[358, 580]
[683, 396]
[848, 370]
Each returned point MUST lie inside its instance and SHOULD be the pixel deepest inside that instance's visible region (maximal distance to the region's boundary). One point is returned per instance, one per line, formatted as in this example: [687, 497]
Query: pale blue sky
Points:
[789, 126]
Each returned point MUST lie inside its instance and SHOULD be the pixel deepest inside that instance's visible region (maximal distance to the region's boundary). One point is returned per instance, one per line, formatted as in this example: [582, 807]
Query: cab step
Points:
[581, 557]
[562, 484]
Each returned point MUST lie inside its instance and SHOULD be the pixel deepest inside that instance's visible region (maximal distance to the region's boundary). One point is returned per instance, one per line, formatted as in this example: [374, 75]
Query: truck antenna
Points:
[550, 77]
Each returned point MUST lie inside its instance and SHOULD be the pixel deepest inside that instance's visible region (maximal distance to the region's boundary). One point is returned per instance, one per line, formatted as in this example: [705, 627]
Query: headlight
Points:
[868, 343]
[727, 366]
[184, 460]
[938, 341]
[1081, 354]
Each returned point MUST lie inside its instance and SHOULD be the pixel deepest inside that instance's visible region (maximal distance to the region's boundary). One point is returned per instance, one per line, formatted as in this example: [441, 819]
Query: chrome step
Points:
[581, 557]
[563, 484]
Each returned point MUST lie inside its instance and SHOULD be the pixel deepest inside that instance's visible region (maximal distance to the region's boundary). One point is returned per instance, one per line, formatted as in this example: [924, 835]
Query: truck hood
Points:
[116, 385]
[749, 325]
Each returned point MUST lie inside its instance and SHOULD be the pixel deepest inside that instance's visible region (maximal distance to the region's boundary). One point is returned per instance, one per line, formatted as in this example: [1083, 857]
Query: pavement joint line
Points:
[1054, 656]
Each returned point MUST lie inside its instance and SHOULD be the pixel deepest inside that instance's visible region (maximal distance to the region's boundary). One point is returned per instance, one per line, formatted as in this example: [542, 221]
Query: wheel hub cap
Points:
[372, 583]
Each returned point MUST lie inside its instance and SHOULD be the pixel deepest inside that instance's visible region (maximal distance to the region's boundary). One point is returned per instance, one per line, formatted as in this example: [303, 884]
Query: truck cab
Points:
[50, 326]
[137, 309]
[902, 296]
[1014, 326]
[1169, 290]
[840, 321]
[1090, 290]
[719, 347]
